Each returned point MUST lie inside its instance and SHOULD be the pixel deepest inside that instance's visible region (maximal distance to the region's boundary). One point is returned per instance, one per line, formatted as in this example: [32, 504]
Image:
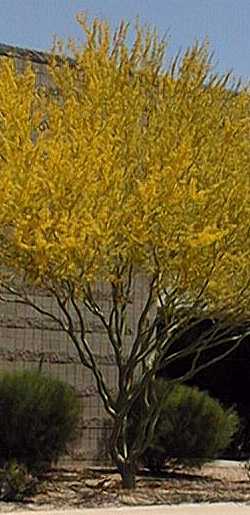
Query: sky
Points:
[226, 24]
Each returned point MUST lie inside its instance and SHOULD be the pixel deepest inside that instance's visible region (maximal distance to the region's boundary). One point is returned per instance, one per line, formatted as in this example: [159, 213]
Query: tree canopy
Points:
[127, 162]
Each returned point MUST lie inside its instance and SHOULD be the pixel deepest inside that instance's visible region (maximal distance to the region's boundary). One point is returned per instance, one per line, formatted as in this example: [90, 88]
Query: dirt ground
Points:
[75, 486]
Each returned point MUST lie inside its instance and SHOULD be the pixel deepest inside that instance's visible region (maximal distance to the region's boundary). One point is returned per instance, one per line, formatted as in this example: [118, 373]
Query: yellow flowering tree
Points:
[125, 171]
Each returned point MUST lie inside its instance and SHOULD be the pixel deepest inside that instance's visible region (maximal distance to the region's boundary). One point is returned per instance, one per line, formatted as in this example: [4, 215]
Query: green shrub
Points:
[16, 482]
[192, 428]
[38, 417]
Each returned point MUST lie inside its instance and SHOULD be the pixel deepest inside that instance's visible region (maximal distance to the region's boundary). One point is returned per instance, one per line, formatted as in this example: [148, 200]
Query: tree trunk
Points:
[127, 471]
[120, 454]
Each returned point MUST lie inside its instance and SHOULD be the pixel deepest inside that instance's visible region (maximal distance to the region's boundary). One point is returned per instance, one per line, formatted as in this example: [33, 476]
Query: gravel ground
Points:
[76, 487]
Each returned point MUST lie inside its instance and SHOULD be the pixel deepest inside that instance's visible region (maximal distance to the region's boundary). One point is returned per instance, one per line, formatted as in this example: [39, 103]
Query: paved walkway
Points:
[181, 509]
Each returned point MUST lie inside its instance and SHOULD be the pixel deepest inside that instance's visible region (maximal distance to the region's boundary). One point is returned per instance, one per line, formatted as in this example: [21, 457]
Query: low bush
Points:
[16, 483]
[38, 416]
[193, 428]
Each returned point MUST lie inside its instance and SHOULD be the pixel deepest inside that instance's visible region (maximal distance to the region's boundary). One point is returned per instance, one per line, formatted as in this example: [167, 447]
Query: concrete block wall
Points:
[26, 337]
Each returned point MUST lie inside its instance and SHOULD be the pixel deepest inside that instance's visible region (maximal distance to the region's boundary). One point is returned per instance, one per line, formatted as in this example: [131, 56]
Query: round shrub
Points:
[38, 417]
[193, 428]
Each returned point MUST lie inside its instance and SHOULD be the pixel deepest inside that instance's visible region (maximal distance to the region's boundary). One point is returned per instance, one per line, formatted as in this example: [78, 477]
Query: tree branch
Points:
[141, 323]
[102, 388]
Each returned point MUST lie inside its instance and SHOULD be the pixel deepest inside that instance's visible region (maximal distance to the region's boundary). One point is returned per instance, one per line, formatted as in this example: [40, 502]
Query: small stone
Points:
[94, 483]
